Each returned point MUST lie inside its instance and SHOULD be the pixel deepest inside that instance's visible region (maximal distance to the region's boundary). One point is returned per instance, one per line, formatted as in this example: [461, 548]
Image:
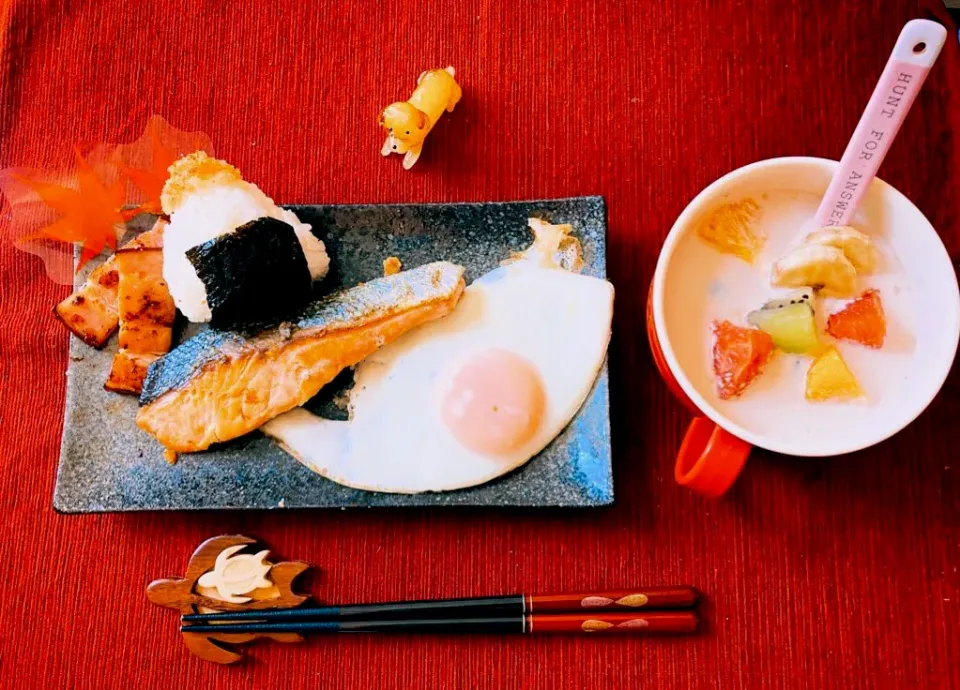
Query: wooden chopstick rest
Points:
[221, 578]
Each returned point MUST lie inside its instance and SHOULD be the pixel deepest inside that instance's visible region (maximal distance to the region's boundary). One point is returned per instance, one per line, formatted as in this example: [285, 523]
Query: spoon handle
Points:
[913, 55]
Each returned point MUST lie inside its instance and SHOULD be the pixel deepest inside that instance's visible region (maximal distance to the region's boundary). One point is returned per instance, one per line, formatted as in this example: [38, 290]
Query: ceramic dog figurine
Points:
[408, 122]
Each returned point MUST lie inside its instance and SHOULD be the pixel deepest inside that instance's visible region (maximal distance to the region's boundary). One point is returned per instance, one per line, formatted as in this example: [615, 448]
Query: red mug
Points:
[710, 458]
[715, 448]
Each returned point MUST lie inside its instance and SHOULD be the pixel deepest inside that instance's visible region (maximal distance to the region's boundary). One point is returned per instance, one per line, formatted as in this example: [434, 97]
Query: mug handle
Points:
[710, 458]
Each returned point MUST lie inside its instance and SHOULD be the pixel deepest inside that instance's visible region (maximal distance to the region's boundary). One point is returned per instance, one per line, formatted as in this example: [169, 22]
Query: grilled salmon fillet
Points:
[223, 384]
[91, 312]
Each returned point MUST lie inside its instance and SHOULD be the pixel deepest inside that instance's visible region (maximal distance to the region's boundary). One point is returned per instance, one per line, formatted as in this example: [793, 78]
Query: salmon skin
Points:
[220, 385]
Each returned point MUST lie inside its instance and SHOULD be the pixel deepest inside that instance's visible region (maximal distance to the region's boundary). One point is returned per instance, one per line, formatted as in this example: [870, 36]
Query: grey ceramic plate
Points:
[108, 464]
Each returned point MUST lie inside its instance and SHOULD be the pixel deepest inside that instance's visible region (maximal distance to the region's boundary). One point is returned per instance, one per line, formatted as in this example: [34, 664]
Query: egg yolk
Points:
[494, 402]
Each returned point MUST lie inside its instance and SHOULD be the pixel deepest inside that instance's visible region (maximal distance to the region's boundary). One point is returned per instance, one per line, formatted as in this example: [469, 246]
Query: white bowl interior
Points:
[695, 284]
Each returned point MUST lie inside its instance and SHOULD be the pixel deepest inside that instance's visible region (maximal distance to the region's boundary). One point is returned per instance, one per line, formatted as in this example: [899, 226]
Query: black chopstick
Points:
[640, 622]
[676, 597]
[486, 607]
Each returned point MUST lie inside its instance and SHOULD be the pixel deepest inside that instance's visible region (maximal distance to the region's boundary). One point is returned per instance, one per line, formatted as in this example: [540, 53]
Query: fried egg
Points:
[474, 395]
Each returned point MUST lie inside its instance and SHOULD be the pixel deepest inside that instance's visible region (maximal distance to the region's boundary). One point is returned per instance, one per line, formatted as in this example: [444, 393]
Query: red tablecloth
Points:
[836, 573]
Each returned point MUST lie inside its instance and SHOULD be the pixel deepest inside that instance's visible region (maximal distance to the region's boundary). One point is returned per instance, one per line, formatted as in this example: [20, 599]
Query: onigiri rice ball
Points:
[205, 199]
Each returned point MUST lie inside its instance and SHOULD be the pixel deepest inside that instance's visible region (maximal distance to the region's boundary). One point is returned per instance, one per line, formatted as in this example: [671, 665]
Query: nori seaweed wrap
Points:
[254, 276]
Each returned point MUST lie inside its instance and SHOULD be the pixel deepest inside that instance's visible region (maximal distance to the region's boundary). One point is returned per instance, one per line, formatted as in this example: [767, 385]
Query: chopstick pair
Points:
[646, 610]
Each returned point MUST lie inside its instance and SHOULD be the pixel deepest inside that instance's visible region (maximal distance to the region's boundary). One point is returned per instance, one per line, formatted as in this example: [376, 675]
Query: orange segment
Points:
[728, 229]
[739, 355]
[861, 321]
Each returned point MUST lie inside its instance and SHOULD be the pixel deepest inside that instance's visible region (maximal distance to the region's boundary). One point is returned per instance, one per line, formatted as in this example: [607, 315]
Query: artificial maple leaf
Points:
[88, 215]
[48, 210]
[145, 161]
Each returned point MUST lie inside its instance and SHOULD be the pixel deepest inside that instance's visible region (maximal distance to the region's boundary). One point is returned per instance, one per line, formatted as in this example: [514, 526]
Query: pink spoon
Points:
[913, 55]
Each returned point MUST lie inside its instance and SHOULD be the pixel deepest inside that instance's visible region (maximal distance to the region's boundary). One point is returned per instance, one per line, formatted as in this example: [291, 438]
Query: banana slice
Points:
[825, 268]
[856, 246]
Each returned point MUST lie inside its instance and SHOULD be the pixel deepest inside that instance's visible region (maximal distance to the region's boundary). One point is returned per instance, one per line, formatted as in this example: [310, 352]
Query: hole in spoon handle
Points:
[914, 53]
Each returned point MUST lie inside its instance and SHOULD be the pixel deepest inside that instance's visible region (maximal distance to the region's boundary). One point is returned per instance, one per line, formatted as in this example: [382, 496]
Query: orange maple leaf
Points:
[151, 180]
[147, 167]
[89, 215]
[86, 205]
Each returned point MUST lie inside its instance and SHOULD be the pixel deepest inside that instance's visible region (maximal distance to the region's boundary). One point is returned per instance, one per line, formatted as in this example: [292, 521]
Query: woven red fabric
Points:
[836, 573]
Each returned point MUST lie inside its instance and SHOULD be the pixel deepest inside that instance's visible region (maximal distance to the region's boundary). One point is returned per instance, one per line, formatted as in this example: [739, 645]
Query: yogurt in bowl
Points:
[695, 285]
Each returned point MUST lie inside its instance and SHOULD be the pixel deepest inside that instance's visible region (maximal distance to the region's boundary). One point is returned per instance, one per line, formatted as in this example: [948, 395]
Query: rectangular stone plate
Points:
[108, 464]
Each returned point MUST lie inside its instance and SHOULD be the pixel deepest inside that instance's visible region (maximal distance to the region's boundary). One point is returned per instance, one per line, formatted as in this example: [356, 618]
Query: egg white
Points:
[395, 440]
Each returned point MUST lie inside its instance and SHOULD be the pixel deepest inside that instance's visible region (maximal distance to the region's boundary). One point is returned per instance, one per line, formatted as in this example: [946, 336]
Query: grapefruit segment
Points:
[739, 355]
[861, 321]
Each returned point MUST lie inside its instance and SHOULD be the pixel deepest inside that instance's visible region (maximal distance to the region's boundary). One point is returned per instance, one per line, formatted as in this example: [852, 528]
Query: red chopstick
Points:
[644, 610]
[641, 598]
[680, 597]
[639, 623]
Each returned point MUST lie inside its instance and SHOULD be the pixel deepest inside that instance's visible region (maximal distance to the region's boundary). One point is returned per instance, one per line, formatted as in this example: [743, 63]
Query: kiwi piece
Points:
[790, 322]
[801, 295]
